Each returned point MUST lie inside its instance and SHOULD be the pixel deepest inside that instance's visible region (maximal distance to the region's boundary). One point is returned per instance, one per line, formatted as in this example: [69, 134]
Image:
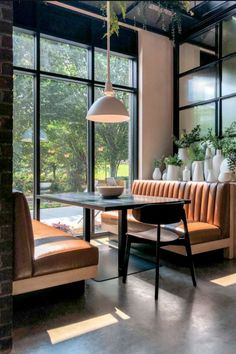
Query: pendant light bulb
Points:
[108, 109]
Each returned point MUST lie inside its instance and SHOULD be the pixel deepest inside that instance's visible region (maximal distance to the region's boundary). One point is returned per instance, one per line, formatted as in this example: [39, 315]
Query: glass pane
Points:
[203, 115]
[23, 114]
[23, 50]
[63, 148]
[229, 33]
[120, 69]
[112, 149]
[200, 51]
[198, 86]
[63, 58]
[228, 112]
[229, 76]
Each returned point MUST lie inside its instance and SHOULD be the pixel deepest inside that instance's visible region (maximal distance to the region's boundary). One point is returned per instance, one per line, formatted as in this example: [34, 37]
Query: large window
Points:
[53, 90]
[207, 77]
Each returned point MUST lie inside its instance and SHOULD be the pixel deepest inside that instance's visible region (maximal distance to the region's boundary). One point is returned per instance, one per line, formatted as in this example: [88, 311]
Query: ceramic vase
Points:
[198, 171]
[183, 155]
[210, 176]
[164, 175]
[156, 174]
[186, 174]
[208, 165]
[216, 162]
[172, 173]
[225, 177]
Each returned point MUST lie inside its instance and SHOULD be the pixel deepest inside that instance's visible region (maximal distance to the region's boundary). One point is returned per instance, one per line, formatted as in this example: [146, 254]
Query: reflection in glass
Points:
[23, 49]
[198, 86]
[203, 115]
[229, 76]
[201, 50]
[228, 112]
[121, 69]
[63, 58]
[23, 150]
[229, 33]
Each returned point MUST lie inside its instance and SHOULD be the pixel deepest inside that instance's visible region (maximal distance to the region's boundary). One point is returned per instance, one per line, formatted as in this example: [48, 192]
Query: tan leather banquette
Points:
[45, 256]
[208, 214]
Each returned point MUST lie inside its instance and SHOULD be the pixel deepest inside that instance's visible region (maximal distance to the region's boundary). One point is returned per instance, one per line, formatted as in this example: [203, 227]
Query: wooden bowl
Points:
[109, 192]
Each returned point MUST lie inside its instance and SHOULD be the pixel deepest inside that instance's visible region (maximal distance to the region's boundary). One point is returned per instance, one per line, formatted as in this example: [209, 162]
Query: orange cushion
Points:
[44, 230]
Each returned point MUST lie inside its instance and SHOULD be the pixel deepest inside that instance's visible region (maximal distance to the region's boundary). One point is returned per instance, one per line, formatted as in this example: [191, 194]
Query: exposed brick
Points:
[6, 260]
[7, 96]
[5, 231]
[5, 288]
[6, 54]
[5, 27]
[5, 344]
[5, 331]
[6, 110]
[6, 42]
[6, 83]
[5, 315]
[6, 151]
[7, 14]
[5, 137]
[7, 69]
[5, 275]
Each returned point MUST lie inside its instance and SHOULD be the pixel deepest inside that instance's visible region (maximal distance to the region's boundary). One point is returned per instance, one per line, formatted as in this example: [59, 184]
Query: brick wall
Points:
[6, 82]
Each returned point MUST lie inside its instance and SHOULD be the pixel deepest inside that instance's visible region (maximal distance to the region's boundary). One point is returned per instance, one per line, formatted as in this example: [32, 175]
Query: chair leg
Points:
[157, 262]
[126, 259]
[190, 259]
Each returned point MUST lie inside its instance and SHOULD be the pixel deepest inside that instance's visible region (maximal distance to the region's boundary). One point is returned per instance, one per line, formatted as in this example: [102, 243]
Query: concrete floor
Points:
[185, 320]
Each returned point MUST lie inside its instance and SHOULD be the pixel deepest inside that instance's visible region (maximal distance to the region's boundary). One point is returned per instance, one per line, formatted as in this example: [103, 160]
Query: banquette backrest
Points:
[209, 201]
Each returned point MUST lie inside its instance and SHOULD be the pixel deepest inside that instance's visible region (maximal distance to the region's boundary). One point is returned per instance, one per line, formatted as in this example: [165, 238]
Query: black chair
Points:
[160, 214]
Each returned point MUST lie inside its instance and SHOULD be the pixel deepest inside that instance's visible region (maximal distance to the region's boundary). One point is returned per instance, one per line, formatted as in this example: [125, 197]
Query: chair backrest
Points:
[23, 238]
[154, 214]
[209, 201]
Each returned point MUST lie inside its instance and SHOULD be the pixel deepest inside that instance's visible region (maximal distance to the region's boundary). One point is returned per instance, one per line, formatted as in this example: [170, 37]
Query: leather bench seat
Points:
[55, 250]
[207, 215]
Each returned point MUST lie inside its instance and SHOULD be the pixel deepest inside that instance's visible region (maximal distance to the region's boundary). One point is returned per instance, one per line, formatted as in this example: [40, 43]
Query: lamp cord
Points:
[108, 86]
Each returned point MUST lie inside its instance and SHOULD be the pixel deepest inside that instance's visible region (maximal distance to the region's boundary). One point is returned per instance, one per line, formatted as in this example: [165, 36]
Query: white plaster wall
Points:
[155, 100]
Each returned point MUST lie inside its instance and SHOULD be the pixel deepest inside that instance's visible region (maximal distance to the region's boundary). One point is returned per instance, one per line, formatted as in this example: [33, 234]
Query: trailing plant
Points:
[187, 139]
[173, 160]
[172, 8]
[196, 153]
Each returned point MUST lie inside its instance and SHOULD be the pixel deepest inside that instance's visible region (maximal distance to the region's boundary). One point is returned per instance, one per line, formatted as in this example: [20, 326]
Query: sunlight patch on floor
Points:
[77, 329]
[226, 280]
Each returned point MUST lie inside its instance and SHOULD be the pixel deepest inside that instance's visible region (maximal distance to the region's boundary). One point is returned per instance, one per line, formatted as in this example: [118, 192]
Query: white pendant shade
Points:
[108, 109]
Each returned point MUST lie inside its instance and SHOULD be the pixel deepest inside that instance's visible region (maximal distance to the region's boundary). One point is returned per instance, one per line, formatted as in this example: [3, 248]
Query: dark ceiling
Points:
[145, 14]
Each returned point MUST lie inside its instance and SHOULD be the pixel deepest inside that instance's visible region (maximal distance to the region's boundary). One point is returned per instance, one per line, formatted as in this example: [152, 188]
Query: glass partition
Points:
[229, 33]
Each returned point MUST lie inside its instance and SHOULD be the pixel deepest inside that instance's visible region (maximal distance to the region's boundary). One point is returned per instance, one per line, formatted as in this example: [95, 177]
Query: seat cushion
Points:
[198, 231]
[56, 251]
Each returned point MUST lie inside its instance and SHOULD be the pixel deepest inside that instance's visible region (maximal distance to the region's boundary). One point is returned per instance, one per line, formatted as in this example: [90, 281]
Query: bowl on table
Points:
[109, 192]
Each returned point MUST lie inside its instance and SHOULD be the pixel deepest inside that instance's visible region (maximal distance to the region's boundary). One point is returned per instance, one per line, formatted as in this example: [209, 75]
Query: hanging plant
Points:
[172, 8]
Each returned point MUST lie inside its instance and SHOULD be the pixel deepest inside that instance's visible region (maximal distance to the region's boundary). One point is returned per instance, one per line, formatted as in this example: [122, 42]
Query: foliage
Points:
[173, 8]
[218, 142]
[159, 163]
[229, 151]
[173, 160]
[187, 139]
[196, 153]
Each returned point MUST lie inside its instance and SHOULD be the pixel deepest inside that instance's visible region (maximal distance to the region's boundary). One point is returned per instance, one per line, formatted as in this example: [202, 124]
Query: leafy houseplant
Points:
[187, 139]
[196, 153]
[229, 151]
[173, 164]
[173, 160]
[159, 163]
[197, 156]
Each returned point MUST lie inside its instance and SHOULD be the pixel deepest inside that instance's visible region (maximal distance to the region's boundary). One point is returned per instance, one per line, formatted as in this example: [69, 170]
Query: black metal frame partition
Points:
[218, 63]
[91, 84]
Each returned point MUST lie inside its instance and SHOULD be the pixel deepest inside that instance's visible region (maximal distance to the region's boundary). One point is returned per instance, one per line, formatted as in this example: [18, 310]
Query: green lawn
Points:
[123, 171]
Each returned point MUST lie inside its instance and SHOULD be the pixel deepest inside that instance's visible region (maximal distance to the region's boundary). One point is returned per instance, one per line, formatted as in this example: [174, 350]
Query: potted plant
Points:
[217, 143]
[158, 167]
[197, 157]
[229, 171]
[173, 164]
[184, 143]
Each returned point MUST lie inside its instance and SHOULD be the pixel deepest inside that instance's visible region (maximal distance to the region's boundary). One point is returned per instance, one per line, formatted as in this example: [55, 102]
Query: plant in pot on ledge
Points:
[229, 150]
[197, 157]
[158, 168]
[217, 143]
[184, 143]
[173, 164]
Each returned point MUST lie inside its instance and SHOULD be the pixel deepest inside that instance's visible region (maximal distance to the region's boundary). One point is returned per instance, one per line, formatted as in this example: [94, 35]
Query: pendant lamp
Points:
[108, 109]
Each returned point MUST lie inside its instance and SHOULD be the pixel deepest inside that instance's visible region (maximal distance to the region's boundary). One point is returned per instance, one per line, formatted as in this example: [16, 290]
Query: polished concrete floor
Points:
[185, 320]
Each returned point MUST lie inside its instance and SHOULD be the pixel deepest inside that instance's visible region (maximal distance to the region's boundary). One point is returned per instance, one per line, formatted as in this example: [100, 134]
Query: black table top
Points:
[95, 201]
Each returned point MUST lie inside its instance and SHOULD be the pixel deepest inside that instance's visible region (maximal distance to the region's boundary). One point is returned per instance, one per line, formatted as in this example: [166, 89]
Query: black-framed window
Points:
[206, 76]
[56, 81]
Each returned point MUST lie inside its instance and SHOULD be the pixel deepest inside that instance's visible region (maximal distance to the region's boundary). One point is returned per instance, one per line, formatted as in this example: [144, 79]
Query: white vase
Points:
[198, 171]
[172, 173]
[164, 175]
[156, 173]
[186, 174]
[216, 162]
[210, 176]
[225, 177]
[183, 155]
[208, 165]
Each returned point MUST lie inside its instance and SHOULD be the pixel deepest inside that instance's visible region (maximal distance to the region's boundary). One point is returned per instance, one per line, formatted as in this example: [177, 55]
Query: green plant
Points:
[196, 153]
[229, 151]
[187, 139]
[218, 142]
[159, 163]
[173, 160]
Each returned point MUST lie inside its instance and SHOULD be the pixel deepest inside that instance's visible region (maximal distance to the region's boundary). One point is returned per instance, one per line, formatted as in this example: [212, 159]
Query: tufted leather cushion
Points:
[208, 213]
